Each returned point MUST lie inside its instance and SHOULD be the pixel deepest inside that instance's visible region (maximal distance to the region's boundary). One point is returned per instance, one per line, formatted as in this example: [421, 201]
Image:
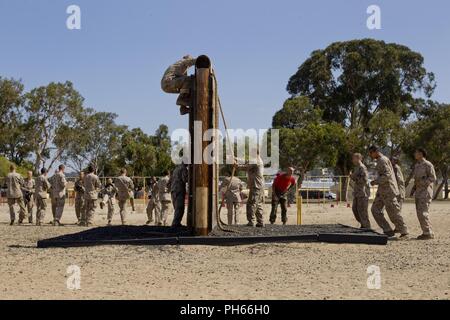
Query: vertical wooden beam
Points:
[202, 173]
[190, 212]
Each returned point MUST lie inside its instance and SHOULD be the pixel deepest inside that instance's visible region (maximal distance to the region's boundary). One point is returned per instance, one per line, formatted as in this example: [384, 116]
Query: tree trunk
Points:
[445, 176]
[37, 164]
[443, 184]
[439, 190]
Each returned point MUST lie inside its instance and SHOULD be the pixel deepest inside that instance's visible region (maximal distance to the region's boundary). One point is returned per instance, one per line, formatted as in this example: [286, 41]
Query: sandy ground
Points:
[409, 269]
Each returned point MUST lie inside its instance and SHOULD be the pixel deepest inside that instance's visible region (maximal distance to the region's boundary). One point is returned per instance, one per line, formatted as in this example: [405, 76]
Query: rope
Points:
[220, 223]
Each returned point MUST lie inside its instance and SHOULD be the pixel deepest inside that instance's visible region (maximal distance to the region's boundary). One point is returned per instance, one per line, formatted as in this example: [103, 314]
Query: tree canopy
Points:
[357, 93]
[50, 124]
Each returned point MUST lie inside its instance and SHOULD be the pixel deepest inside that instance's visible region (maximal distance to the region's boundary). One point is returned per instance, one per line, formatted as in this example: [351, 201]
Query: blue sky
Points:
[118, 57]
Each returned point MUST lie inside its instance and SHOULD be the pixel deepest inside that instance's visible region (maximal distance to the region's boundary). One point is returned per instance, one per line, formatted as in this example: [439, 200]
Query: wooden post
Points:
[204, 118]
[190, 212]
[202, 196]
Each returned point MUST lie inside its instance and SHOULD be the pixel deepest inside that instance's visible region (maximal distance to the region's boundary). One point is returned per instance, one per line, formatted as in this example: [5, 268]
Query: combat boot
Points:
[184, 110]
[390, 234]
[426, 237]
[184, 99]
[404, 236]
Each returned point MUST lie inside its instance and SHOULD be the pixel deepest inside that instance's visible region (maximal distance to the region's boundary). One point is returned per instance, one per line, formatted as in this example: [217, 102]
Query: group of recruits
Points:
[171, 188]
[390, 182]
[390, 195]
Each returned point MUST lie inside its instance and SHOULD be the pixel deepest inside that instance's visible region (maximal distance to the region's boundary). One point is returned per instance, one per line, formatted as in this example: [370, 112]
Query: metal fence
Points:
[314, 190]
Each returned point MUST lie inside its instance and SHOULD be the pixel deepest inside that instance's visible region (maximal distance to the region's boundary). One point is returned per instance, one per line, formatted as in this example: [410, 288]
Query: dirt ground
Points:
[409, 269]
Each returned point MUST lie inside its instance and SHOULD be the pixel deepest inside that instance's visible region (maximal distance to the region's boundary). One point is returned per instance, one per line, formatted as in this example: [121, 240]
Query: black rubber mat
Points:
[240, 235]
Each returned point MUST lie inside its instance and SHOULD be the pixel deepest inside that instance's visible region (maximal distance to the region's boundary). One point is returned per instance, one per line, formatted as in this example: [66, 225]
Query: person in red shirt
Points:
[280, 188]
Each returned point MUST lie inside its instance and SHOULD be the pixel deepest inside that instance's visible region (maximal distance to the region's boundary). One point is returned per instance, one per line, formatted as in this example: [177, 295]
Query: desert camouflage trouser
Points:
[41, 207]
[255, 207]
[400, 202]
[12, 213]
[173, 84]
[392, 206]
[133, 207]
[233, 212]
[89, 211]
[58, 208]
[360, 210]
[281, 200]
[178, 206]
[53, 206]
[423, 214]
[111, 202]
[79, 208]
[123, 210]
[162, 214]
[29, 204]
[151, 206]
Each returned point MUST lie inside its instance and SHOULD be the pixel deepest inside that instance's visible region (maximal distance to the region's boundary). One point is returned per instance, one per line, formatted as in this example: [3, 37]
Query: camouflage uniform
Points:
[79, 199]
[164, 200]
[424, 178]
[153, 203]
[15, 182]
[110, 192]
[59, 184]
[175, 77]
[232, 197]
[91, 189]
[28, 192]
[41, 194]
[177, 183]
[387, 196]
[401, 184]
[361, 194]
[255, 202]
[176, 80]
[125, 187]
[52, 200]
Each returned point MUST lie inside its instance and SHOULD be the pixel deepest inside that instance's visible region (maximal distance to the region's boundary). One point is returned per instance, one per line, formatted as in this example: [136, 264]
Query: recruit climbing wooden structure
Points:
[203, 177]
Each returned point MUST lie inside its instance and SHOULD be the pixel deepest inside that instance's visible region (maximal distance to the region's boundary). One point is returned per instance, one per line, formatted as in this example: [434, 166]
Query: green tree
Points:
[387, 129]
[353, 81]
[306, 140]
[163, 144]
[51, 109]
[138, 154]
[94, 139]
[13, 142]
[432, 132]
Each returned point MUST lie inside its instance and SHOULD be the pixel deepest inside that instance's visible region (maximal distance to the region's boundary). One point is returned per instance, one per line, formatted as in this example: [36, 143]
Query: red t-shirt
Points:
[283, 182]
